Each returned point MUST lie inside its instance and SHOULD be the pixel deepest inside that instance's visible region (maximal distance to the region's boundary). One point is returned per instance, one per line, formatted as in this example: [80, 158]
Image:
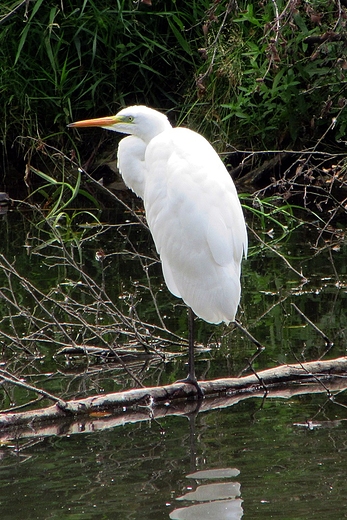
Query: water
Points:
[282, 469]
[284, 456]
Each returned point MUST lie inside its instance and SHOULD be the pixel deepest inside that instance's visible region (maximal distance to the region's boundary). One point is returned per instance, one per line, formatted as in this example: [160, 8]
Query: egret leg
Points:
[191, 378]
[191, 337]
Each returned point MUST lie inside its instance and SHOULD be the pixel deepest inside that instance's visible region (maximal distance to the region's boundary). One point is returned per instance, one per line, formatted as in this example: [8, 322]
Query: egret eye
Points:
[130, 119]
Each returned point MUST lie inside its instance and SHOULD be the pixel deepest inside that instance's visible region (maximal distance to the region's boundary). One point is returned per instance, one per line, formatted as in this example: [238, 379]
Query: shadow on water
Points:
[272, 458]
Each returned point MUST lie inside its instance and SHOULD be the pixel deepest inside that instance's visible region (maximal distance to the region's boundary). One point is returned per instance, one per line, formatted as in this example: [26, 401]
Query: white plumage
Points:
[197, 224]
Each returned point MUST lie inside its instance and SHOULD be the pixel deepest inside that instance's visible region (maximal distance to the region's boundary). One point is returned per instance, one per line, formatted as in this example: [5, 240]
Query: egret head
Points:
[137, 120]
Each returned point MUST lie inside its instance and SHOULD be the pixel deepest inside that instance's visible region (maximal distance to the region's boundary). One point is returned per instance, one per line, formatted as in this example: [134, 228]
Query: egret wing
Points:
[196, 220]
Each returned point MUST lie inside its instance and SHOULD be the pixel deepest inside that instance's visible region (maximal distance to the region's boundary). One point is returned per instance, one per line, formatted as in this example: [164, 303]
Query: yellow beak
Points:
[100, 121]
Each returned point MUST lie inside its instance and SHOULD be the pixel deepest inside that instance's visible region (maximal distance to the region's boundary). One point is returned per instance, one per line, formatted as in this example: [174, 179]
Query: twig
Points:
[326, 339]
[127, 370]
[261, 381]
[315, 377]
[259, 346]
[9, 378]
[281, 256]
[14, 11]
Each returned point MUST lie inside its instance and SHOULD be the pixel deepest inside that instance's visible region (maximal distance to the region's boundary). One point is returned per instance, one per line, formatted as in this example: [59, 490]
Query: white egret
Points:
[192, 209]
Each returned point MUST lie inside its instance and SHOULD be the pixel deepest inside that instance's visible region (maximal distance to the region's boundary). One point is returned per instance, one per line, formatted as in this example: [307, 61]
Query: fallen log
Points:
[319, 373]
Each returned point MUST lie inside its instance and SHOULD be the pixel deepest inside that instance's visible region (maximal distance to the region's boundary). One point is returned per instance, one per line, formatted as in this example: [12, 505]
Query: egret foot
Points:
[190, 381]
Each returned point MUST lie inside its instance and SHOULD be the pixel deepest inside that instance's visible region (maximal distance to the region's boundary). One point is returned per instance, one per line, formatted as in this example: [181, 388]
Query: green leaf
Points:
[36, 7]
[181, 40]
[22, 42]
[44, 176]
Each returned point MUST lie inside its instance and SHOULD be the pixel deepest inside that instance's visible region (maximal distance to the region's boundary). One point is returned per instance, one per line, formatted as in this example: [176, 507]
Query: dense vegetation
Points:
[251, 76]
